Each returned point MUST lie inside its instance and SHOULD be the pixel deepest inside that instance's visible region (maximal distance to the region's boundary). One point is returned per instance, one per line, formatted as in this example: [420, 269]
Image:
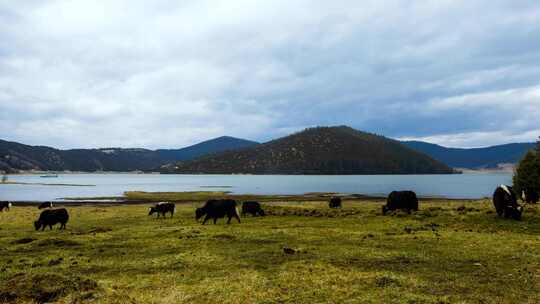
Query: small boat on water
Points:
[49, 175]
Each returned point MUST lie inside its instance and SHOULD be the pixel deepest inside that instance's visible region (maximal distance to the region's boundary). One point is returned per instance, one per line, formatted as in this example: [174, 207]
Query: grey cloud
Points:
[103, 73]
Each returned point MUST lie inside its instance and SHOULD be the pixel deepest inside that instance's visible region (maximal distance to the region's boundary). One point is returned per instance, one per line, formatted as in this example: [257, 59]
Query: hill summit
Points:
[320, 150]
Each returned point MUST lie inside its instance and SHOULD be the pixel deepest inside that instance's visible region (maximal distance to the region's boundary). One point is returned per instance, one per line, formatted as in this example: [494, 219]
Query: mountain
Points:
[321, 150]
[215, 145]
[476, 158]
[15, 156]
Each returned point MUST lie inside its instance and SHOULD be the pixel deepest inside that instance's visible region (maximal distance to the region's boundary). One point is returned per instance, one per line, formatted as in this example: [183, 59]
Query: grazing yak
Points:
[405, 200]
[335, 202]
[5, 205]
[51, 217]
[162, 208]
[214, 209]
[505, 202]
[529, 196]
[45, 205]
[253, 208]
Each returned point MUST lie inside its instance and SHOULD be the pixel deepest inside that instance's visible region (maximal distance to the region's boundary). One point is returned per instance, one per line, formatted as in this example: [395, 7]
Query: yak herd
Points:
[504, 201]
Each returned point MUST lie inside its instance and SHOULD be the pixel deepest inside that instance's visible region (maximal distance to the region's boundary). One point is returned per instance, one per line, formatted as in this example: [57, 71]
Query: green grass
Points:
[118, 254]
[202, 196]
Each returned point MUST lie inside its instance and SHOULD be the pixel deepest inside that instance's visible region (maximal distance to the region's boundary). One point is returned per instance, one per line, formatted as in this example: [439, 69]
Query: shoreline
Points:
[138, 198]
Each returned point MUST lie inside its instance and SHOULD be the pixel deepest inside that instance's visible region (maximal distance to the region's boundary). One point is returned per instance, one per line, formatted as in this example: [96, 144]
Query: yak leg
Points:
[215, 220]
[206, 218]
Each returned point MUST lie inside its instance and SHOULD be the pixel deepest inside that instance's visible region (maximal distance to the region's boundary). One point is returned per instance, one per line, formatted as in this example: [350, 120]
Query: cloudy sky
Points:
[134, 74]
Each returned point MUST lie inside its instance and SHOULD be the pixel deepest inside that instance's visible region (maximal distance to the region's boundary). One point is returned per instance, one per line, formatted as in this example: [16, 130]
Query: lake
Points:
[475, 185]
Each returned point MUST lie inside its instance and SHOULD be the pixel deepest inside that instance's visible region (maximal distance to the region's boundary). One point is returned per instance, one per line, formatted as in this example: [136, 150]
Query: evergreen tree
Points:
[527, 174]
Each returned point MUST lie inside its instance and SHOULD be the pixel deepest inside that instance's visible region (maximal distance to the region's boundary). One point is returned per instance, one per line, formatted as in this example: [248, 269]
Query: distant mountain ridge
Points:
[215, 145]
[475, 158]
[15, 156]
[321, 150]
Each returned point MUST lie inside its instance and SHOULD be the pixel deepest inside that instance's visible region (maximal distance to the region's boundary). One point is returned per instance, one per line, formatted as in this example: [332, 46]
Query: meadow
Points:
[301, 252]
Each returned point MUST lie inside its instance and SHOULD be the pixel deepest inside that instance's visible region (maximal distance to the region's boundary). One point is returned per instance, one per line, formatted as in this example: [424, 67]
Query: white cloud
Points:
[478, 139]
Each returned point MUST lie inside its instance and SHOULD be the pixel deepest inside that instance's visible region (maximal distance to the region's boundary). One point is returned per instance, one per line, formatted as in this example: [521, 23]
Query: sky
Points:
[167, 74]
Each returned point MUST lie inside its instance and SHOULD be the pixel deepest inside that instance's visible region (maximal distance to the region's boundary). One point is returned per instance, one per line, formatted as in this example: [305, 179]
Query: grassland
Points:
[449, 252]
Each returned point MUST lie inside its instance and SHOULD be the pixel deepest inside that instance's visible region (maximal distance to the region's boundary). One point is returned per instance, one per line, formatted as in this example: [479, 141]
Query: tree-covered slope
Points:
[15, 156]
[322, 150]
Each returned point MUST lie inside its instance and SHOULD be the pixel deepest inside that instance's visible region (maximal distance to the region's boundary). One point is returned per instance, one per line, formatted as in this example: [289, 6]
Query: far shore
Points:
[509, 169]
[46, 184]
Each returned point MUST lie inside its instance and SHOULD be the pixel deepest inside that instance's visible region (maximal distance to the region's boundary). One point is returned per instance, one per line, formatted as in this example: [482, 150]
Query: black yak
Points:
[5, 205]
[253, 208]
[529, 195]
[52, 217]
[162, 208]
[505, 202]
[214, 209]
[45, 205]
[335, 202]
[405, 200]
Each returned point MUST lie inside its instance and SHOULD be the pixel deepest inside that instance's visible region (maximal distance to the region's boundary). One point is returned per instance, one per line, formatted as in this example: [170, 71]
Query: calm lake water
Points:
[450, 186]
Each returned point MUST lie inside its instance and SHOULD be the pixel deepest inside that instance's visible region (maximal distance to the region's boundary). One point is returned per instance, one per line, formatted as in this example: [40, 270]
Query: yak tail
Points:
[237, 212]
[9, 205]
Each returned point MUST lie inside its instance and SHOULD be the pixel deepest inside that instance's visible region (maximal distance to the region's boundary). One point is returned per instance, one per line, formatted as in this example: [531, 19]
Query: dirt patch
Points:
[100, 230]
[260, 241]
[23, 241]
[55, 262]
[426, 227]
[57, 243]
[399, 260]
[224, 237]
[48, 287]
[463, 209]
[99, 210]
[385, 281]
[93, 230]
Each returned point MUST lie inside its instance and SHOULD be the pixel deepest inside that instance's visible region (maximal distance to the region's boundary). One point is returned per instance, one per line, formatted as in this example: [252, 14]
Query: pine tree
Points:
[527, 174]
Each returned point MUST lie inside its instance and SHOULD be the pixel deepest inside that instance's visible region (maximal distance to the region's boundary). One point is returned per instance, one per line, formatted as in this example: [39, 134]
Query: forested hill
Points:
[321, 150]
[15, 157]
[476, 158]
